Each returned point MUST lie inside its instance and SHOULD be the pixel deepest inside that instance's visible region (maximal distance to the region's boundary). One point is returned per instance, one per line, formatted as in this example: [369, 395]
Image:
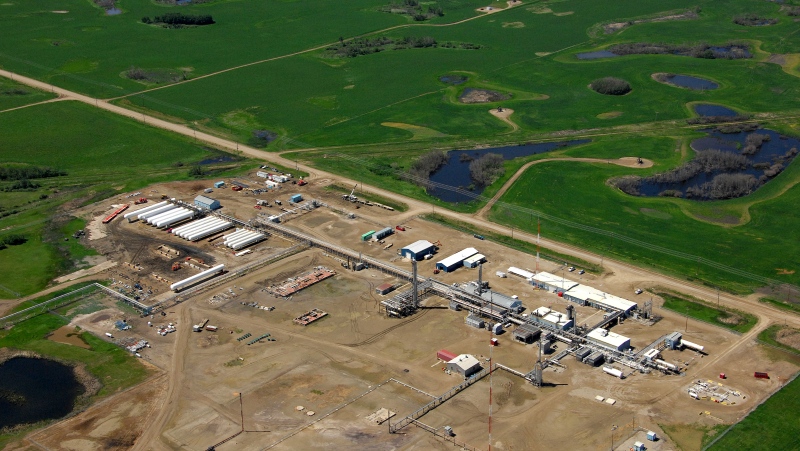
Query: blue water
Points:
[776, 148]
[113, 11]
[456, 172]
[33, 390]
[453, 79]
[707, 109]
[219, 159]
[686, 81]
[596, 55]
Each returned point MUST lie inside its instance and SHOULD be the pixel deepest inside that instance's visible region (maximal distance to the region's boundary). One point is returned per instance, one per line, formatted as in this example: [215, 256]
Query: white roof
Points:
[458, 257]
[552, 279]
[418, 246]
[588, 293]
[204, 199]
[520, 272]
[610, 338]
[465, 361]
[476, 258]
[551, 316]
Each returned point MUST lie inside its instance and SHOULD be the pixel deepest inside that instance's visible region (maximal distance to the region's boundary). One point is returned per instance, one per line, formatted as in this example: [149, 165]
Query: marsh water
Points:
[33, 390]
[707, 109]
[596, 55]
[456, 172]
[689, 82]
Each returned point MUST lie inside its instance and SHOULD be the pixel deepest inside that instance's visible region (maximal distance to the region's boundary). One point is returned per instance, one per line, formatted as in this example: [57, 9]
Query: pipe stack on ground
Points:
[243, 238]
[134, 215]
[197, 278]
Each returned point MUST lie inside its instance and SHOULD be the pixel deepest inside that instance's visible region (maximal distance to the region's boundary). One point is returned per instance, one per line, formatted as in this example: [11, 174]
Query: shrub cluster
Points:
[414, 9]
[793, 11]
[22, 185]
[753, 142]
[12, 240]
[154, 75]
[753, 20]
[724, 186]
[366, 46]
[611, 86]
[486, 169]
[178, 20]
[730, 50]
[427, 164]
[14, 92]
[261, 138]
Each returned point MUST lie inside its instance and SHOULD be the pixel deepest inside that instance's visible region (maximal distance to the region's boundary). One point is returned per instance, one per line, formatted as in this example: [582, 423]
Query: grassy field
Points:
[769, 336]
[719, 316]
[102, 154]
[14, 95]
[773, 425]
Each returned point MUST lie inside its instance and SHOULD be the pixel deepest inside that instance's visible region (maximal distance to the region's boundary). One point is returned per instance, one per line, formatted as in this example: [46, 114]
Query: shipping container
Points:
[445, 355]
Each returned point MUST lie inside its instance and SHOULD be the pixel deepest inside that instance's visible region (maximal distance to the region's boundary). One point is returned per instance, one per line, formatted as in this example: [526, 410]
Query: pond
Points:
[456, 172]
[753, 170]
[689, 82]
[218, 159]
[596, 55]
[113, 11]
[453, 79]
[33, 390]
[709, 110]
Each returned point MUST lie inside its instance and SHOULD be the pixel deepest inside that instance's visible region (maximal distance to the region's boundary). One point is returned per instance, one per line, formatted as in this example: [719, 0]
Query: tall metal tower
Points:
[414, 284]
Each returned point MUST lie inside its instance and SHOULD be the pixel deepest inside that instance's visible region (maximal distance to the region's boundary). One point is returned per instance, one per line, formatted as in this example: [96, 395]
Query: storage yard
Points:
[246, 284]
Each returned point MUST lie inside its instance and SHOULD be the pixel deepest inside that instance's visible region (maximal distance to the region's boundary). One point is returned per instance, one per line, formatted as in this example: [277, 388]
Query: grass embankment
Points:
[691, 436]
[736, 320]
[773, 425]
[102, 155]
[783, 305]
[523, 246]
[779, 335]
[114, 367]
[398, 206]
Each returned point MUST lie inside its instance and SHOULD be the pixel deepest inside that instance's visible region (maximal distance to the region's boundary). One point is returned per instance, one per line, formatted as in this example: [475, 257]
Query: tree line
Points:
[730, 50]
[414, 9]
[486, 169]
[14, 172]
[177, 20]
[427, 164]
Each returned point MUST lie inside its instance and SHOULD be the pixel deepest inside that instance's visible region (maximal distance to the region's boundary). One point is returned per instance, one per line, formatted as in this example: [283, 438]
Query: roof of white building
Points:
[588, 293]
[458, 257]
[554, 280]
[610, 338]
[418, 246]
[465, 361]
[520, 272]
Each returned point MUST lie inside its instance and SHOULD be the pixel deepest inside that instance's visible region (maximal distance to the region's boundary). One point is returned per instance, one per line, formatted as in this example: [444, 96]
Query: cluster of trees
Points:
[738, 128]
[14, 92]
[611, 86]
[178, 20]
[22, 185]
[731, 50]
[724, 186]
[753, 142]
[753, 20]
[793, 11]
[12, 240]
[414, 9]
[367, 46]
[427, 164]
[14, 172]
[460, 45]
[717, 119]
[486, 169]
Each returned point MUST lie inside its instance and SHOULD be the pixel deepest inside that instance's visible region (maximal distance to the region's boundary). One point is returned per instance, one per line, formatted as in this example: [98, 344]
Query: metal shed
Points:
[385, 288]
[526, 333]
[594, 359]
[673, 340]
[296, 198]
[582, 353]
[206, 202]
[383, 233]
[474, 321]
[465, 365]
[367, 235]
[454, 261]
[418, 250]
[474, 261]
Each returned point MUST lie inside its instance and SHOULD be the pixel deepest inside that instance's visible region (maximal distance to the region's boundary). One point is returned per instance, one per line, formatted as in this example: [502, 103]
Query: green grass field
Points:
[769, 336]
[102, 154]
[15, 95]
[719, 316]
[773, 425]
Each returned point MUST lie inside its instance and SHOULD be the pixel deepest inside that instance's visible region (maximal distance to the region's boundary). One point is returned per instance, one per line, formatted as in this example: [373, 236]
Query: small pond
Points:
[113, 11]
[453, 79]
[709, 110]
[596, 55]
[33, 390]
[218, 159]
[754, 168]
[456, 172]
[689, 82]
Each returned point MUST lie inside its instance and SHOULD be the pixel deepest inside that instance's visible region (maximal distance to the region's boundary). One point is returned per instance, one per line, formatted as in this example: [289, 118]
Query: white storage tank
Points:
[691, 345]
[156, 211]
[135, 214]
[612, 371]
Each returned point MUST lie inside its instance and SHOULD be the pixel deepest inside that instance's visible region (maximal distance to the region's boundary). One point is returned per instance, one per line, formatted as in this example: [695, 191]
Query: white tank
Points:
[667, 364]
[186, 214]
[207, 274]
[691, 345]
[156, 211]
[210, 230]
[237, 234]
[153, 219]
[613, 371]
[197, 225]
[135, 214]
[232, 244]
[192, 225]
[249, 242]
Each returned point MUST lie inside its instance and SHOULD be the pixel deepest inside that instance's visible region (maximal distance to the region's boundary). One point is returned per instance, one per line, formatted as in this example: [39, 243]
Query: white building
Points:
[465, 365]
[609, 339]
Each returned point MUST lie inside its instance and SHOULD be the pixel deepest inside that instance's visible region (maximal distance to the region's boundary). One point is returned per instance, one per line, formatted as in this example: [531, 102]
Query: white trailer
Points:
[186, 214]
[200, 234]
[251, 241]
[613, 371]
[135, 214]
[156, 212]
[691, 345]
[197, 278]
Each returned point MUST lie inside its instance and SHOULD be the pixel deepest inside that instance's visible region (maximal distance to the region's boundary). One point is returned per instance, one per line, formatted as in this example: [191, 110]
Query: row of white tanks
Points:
[242, 238]
[198, 230]
[162, 214]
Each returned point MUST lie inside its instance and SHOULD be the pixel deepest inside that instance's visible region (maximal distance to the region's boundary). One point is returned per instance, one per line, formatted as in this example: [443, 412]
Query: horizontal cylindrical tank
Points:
[237, 234]
[613, 371]
[240, 238]
[249, 242]
[691, 345]
[157, 211]
[166, 217]
[186, 214]
[164, 214]
[208, 231]
[135, 214]
[199, 225]
[207, 274]
[667, 364]
[192, 225]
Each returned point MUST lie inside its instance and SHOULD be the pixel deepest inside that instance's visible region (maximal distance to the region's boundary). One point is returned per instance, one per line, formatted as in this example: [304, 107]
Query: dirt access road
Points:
[416, 207]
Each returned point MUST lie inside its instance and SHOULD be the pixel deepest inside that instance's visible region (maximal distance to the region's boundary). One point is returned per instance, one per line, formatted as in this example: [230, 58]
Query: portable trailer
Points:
[116, 213]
